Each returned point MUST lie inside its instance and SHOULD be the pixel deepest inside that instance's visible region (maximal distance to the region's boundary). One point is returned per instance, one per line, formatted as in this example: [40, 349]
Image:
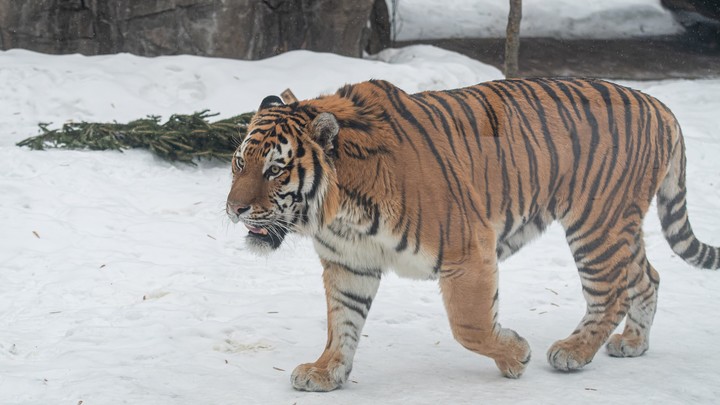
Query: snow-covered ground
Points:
[122, 281]
[431, 19]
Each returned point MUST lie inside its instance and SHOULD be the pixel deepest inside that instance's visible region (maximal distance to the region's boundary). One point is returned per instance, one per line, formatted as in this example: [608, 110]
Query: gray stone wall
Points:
[244, 29]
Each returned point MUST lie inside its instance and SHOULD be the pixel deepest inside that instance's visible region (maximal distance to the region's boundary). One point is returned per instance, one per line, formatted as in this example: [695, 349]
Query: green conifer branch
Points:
[182, 138]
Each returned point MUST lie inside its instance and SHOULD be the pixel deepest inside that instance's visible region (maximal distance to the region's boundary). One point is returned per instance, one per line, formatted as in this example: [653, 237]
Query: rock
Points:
[244, 29]
[701, 19]
[707, 8]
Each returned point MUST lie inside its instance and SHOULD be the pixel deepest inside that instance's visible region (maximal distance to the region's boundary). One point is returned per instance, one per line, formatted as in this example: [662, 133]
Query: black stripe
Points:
[365, 301]
[405, 113]
[594, 130]
[488, 197]
[570, 231]
[449, 113]
[403, 209]
[692, 250]
[404, 239]
[351, 306]
[488, 108]
[603, 89]
[440, 253]
[710, 258]
[376, 221]
[460, 127]
[317, 175]
[469, 115]
[326, 244]
[374, 273]
[418, 228]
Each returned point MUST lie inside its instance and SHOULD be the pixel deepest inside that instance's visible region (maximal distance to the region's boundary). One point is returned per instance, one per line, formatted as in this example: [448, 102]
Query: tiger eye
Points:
[239, 163]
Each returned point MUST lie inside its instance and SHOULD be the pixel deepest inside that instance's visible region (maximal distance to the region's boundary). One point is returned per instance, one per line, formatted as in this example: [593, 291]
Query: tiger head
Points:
[283, 177]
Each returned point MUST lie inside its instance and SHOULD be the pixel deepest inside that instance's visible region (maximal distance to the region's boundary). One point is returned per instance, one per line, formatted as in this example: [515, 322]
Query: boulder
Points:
[243, 29]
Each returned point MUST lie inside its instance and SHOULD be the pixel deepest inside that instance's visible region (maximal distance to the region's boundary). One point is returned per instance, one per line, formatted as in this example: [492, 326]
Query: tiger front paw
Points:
[517, 350]
[314, 377]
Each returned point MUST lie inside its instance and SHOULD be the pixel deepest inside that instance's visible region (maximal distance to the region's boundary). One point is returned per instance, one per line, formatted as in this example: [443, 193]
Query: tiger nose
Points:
[237, 209]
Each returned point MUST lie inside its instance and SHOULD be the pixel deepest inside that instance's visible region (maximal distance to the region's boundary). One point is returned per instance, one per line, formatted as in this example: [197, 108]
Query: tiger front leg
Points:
[349, 293]
[470, 292]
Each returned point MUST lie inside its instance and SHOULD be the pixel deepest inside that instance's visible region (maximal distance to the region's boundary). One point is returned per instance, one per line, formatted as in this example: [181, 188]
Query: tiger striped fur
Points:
[446, 184]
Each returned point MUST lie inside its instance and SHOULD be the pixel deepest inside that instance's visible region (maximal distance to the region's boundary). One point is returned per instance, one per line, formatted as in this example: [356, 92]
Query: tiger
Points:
[444, 185]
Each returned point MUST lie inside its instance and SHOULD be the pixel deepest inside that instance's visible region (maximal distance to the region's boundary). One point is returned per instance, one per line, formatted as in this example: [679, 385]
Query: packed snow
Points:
[122, 280]
[432, 19]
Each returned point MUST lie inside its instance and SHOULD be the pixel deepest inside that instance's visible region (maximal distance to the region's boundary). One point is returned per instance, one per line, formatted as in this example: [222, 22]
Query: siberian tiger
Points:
[445, 184]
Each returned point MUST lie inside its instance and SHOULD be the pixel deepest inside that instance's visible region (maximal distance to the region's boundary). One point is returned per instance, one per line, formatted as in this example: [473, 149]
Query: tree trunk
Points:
[512, 39]
[379, 28]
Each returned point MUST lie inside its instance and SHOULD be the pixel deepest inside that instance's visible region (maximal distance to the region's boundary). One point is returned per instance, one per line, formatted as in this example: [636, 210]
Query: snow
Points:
[123, 87]
[431, 19]
[122, 280]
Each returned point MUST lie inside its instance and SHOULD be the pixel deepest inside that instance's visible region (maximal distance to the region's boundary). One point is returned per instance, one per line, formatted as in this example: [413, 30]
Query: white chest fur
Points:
[353, 247]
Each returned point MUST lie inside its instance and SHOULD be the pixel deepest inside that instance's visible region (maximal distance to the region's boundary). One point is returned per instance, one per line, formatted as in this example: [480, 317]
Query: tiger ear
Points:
[324, 130]
[270, 101]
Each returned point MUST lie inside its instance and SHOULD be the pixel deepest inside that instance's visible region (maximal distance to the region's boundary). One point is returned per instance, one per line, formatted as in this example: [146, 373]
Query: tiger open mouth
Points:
[271, 236]
[256, 231]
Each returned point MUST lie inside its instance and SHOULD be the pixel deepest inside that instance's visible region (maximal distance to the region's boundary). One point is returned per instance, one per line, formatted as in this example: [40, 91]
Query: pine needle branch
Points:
[182, 138]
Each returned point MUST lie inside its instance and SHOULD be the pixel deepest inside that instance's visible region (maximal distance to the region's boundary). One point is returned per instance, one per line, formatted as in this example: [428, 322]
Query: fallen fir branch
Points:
[181, 138]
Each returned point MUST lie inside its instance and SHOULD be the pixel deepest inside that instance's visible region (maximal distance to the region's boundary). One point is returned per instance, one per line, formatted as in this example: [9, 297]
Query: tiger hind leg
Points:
[470, 294]
[604, 258]
[643, 291]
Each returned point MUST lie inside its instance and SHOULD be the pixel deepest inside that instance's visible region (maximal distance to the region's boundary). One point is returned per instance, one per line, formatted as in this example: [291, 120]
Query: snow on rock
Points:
[430, 19]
